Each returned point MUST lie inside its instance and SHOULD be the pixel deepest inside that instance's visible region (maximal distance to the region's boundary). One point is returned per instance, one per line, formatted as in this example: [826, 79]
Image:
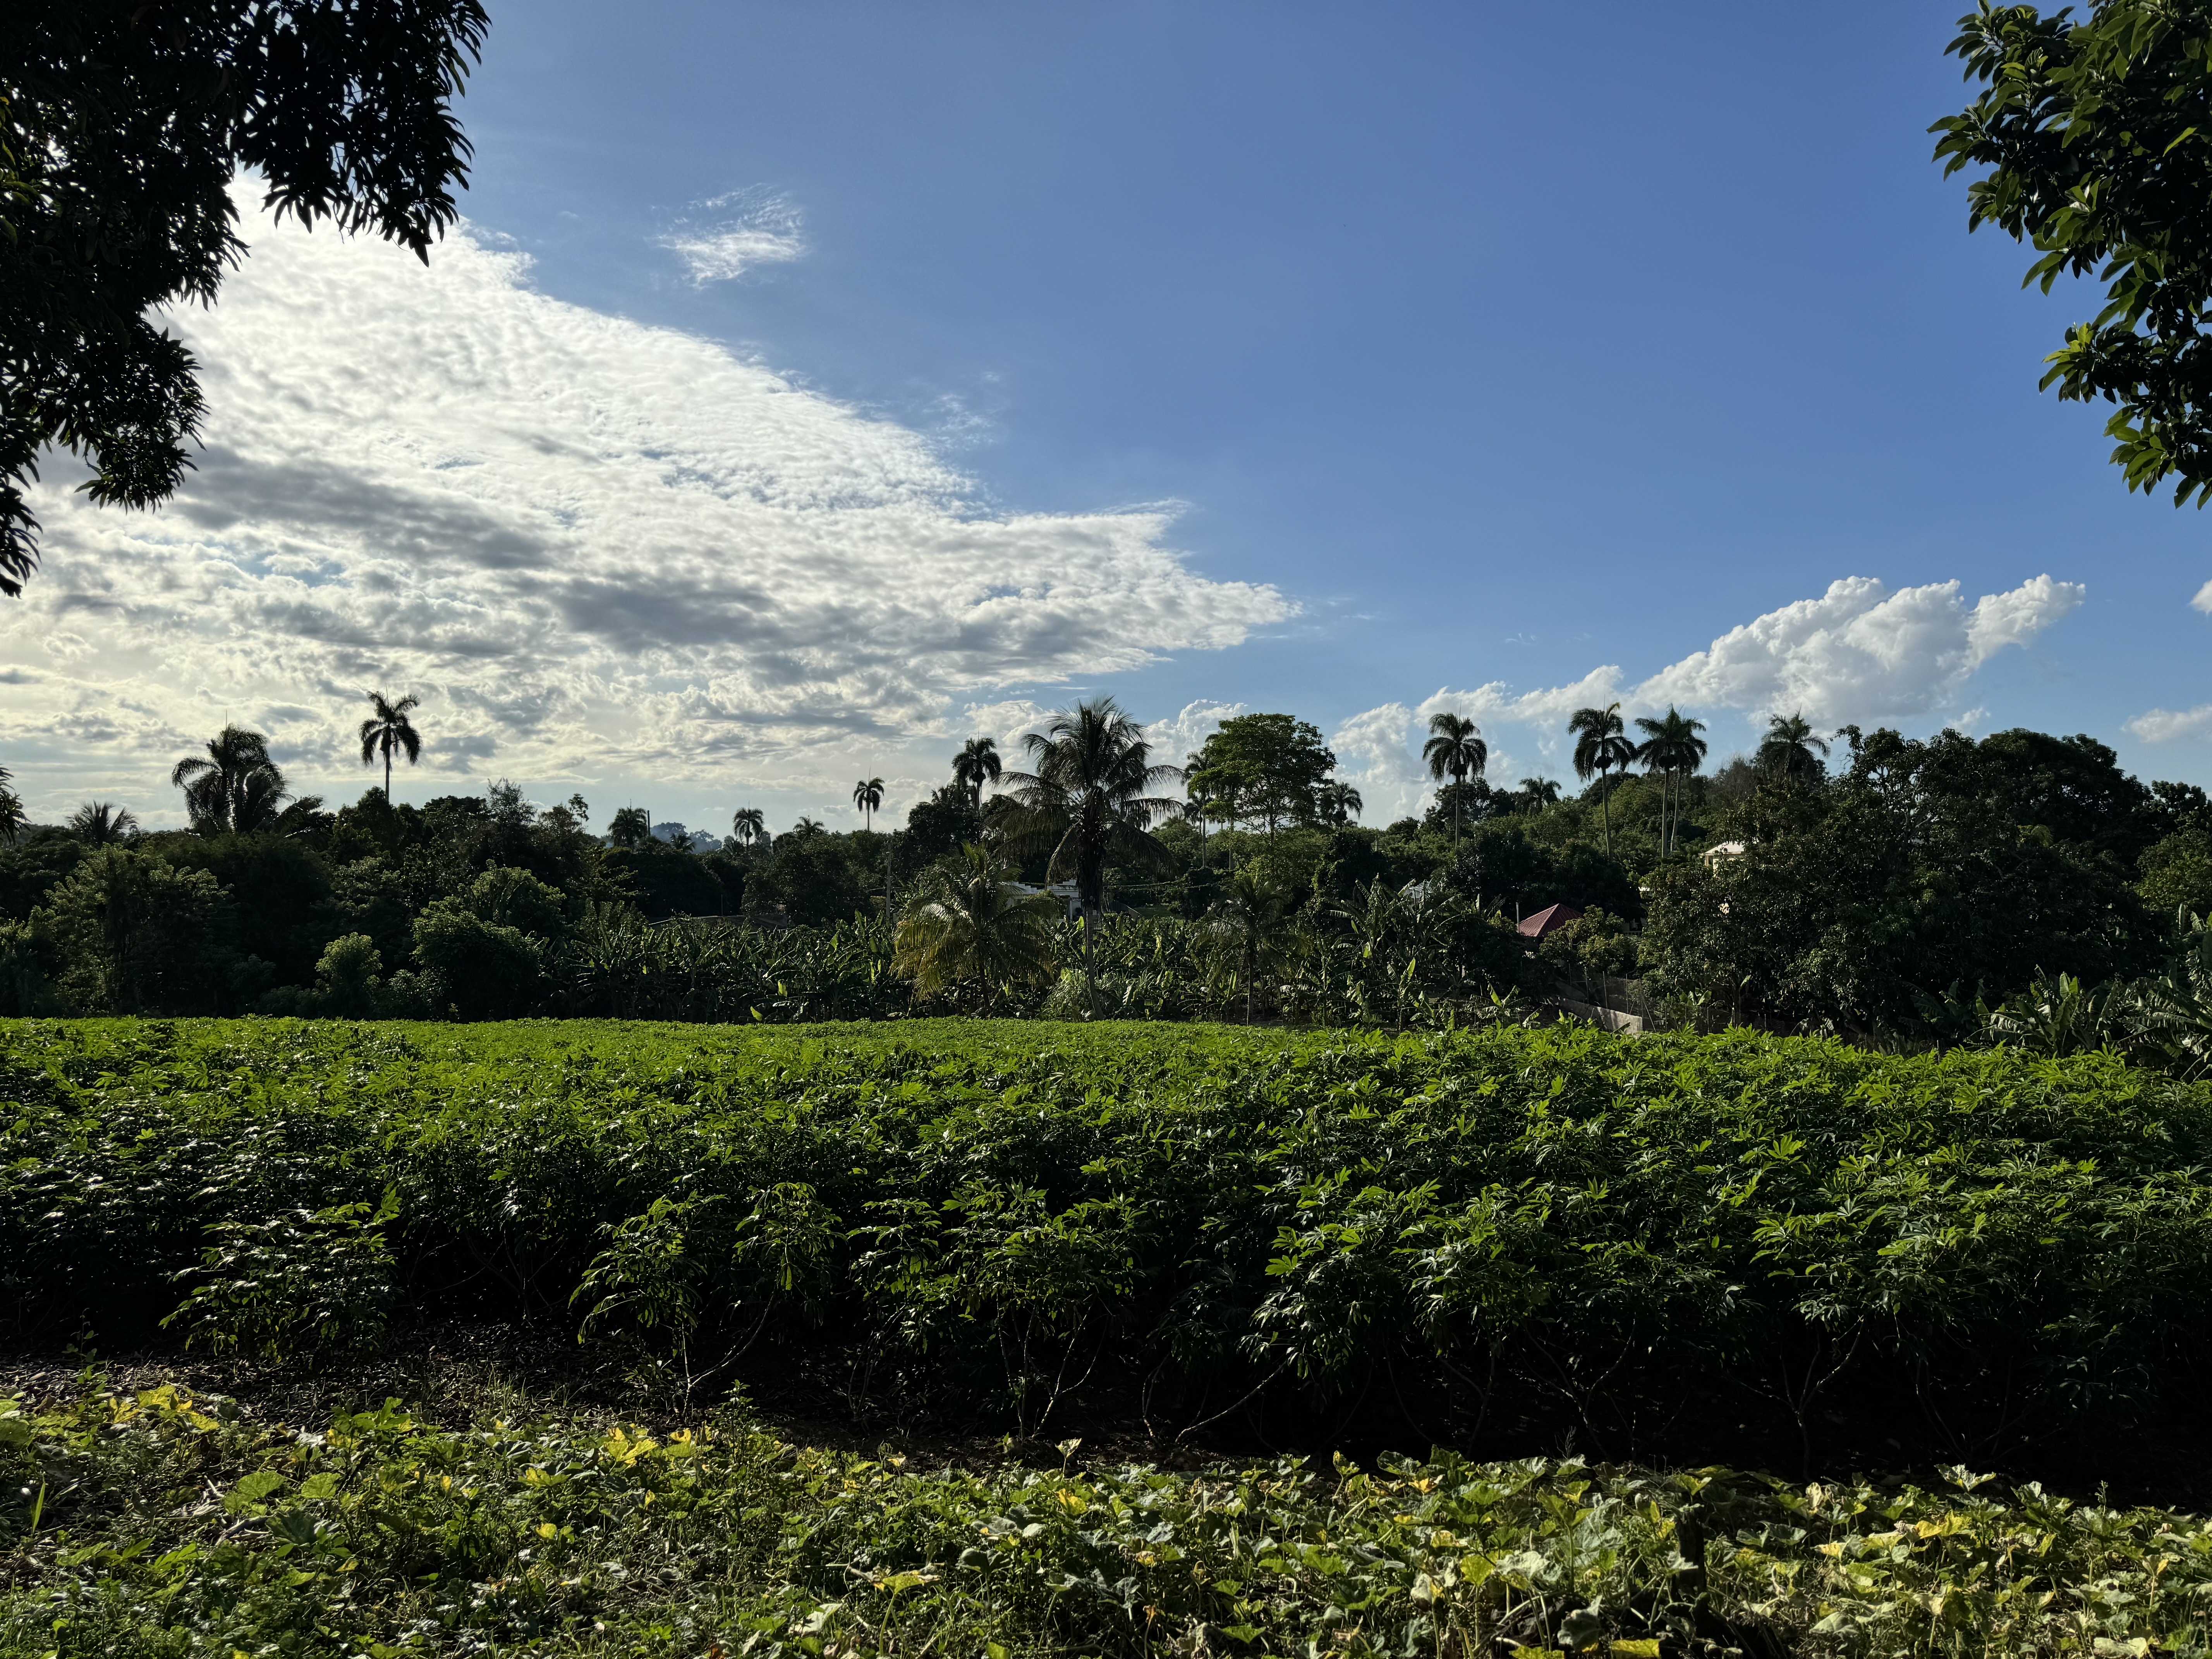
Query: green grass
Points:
[165, 1524]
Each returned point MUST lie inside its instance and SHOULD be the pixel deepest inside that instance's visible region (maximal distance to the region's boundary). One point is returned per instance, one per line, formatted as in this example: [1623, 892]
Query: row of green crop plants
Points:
[1777, 1250]
[167, 1523]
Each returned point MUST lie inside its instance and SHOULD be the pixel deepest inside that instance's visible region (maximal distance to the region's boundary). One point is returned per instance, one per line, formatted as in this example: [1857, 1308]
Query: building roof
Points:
[1549, 920]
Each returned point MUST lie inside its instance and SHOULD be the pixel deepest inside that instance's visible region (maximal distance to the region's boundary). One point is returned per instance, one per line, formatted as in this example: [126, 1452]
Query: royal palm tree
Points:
[1336, 802]
[969, 924]
[1602, 745]
[1454, 748]
[388, 729]
[868, 796]
[1539, 791]
[1091, 791]
[1672, 750]
[748, 826]
[976, 765]
[98, 824]
[1788, 750]
[11, 810]
[236, 789]
[806, 827]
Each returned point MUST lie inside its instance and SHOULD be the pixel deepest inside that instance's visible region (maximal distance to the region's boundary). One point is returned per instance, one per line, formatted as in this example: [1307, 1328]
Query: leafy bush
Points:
[1774, 1250]
[311, 1283]
[167, 1523]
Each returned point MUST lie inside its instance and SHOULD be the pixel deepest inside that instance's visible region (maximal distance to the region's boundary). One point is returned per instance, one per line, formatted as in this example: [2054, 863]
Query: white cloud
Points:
[756, 226]
[1175, 739]
[2165, 724]
[595, 548]
[2203, 600]
[1858, 654]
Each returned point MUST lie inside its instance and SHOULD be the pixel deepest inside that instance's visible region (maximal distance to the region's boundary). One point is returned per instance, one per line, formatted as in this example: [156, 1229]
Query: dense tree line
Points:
[1886, 888]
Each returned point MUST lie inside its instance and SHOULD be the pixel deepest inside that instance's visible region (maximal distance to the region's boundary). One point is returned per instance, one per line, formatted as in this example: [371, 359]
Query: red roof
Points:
[1549, 921]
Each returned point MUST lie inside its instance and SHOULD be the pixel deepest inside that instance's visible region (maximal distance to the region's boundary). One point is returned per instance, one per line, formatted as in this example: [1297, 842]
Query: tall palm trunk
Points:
[1090, 958]
[1605, 802]
[387, 774]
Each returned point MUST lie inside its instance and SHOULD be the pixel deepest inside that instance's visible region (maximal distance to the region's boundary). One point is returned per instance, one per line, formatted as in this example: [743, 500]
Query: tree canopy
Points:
[2097, 131]
[122, 126]
[1268, 767]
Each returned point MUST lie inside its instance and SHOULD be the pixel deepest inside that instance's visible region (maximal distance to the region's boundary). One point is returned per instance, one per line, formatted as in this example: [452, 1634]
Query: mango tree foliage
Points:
[2097, 133]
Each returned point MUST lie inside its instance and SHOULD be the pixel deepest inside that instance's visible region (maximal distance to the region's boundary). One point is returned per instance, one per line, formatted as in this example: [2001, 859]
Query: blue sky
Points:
[1502, 344]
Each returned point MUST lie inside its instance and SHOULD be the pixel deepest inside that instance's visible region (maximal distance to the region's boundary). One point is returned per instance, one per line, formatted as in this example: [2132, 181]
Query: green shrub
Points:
[311, 1283]
[1675, 1245]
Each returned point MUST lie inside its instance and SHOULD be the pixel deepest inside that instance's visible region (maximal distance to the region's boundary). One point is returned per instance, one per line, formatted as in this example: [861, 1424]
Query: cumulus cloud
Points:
[593, 548]
[2165, 724]
[1859, 653]
[744, 229]
[1175, 739]
[2203, 600]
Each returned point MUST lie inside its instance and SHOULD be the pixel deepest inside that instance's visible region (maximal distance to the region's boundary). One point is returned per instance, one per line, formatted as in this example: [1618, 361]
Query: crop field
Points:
[1565, 1256]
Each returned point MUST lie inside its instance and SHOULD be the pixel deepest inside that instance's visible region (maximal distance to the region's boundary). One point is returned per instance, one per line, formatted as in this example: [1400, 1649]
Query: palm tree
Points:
[1788, 750]
[1336, 802]
[1539, 791]
[388, 729]
[868, 796]
[11, 810]
[970, 925]
[1092, 791]
[1672, 750]
[1600, 745]
[1455, 746]
[1251, 912]
[98, 824]
[236, 789]
[748, 826]
[806, 827]
[975, 765]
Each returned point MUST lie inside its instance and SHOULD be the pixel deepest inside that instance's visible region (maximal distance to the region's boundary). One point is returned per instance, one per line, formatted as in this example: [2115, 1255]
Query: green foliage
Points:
[383, 1535]
[679, 1274]
[616, 964]
[816, 882]
[1263, 768]
[487, 948]
[968, 930]
[1503, 1234]
[308, 1284]
[31, 867]
[120, 141]
[2095, 132]
[1924, 865]
[280, 890]
[2177, 874]
[139, 935]
[667, 881]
